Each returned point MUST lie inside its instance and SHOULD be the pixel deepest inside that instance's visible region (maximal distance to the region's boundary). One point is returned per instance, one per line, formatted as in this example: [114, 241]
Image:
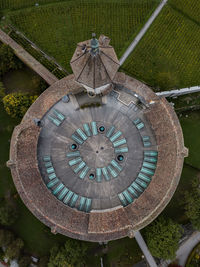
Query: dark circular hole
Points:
[101, 128]
[102, 148]
[74, 146]
[97, 151]
[120, 158]
[91, 176]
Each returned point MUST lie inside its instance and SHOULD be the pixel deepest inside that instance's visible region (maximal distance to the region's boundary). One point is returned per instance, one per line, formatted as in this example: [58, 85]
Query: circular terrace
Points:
[97, 169]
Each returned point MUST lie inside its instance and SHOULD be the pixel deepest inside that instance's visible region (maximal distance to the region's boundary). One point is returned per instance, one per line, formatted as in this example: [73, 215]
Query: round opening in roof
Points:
[120, 158]
[101, 129]
[91, 176]
[74, 146]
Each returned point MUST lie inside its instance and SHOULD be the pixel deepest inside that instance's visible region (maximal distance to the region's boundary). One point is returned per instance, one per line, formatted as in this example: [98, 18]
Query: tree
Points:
[162, 237]
[16, 104]
[71, 255]
[2, 91]
[6, 238]
[14, 249]
[192, 204]
[8, 60]
[8, 213]
[24, 261]
[43, 262]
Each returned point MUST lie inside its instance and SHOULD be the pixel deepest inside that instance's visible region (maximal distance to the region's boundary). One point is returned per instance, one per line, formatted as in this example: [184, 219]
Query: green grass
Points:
[174, 209]
[189, 8]
[191, 131]
[168, 55]
[57, 28]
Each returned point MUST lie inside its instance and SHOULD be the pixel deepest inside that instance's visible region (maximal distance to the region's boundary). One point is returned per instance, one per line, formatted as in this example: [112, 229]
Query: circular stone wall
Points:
[102, 172]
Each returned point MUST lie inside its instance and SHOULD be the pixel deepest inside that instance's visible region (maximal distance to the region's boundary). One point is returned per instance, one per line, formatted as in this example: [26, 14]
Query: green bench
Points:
[59, 115]
[151, 153]
[140, 125]
[73, 200]
[122, 199]
[88, 204]
[63, 193]
[52, 176]
[105, 173]
[147, 171]
[52, 183]
[58, 189]
[77, 139]
[98, 175]
[127, 196]
[141, 183]
[137, 187]
[116, 165]
[149, 165]
[75, 161]
[110, 131]
[54, 120]
[94, 128]
[73, 154]
[144, 177]
[82, 203]
[68, 197]
[115, 136]
[84, 172]
[133, 191]
[150, 159]
[50, 170]
[112, 171]
[79, 167]
[47, 158]
[81, 134]
[121, 150]
[48, 164]
[119, 142]
[87, 129]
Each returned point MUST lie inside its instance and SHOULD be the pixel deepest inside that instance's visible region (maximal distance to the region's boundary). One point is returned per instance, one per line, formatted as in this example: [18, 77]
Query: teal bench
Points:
[136, 121]
[52, 183]
[145, 138]
[142, 183]
[115, 136]
[127, 196]
[133, 191]
[137, 187]
[119, 142]
[73, 154]
[63, 193]
[94, 128]
[116, 165]
[105, 173]
[52, 176]
[79, 167]
[58, 188]
[147, 171]
[88, 204]
[87, 129]
[68, 197]
[147, 144]
[54, 120]
[150, 159]
[50, 170]
[122, 199]
[151, 153]
[110, 131]
[48, 164]
[144, 177]
[84, 172]
[149, 165]
[73, 200]
[98, 175]
[81, 134]
[74, 161]
[121, 150]
[140, 125]
[59, 115]
[82, 203]
[77, 139]
[47, 158]
[112, 171]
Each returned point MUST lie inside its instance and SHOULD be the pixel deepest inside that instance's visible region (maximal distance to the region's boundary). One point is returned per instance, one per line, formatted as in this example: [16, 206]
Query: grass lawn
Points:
[191, 130]
[57, 28]
[168, 55]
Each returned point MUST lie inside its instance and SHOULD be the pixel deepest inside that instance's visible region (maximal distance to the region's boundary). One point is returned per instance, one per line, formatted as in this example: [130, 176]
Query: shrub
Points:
[6, 238]
[16, 104]
[14, 249]
[8, 213]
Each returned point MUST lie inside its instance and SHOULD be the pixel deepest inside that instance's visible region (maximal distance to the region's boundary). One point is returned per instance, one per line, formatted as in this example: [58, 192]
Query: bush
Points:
[16, 104]
[14, 249]
[71, 255]
[8, 60]
[6, 238]
[2, 91]
[43, 262]
[162, 237]
[8, 213]
[24, 261]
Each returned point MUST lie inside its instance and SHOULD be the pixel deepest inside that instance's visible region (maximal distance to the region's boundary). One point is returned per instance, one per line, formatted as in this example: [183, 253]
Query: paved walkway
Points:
[145, 249]
[178, 92]
[142, 32]
[28, 59]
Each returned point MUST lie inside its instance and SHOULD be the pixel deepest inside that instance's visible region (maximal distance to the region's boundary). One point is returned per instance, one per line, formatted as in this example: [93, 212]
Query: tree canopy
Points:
[71, 255]
[192, 204]
[14, 249]
[8, 213]
[162, 237]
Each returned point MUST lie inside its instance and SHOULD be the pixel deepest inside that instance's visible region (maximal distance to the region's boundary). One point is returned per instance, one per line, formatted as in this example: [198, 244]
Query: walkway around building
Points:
[142, 32]
[28, 59]
[145, 249]
[178, 92]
